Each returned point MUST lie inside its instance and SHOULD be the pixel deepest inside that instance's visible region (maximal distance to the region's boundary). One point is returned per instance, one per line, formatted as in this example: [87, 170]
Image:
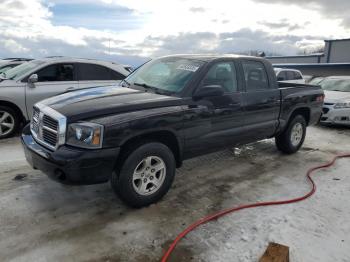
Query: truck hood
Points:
[336, 96]
[103, 101]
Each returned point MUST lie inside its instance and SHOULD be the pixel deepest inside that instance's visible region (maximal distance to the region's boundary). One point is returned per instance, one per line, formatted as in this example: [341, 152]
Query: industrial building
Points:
[334, 61]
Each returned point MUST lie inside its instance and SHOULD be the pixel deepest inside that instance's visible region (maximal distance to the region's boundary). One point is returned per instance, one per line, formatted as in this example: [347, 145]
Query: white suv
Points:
[289, 75]
[24, 85]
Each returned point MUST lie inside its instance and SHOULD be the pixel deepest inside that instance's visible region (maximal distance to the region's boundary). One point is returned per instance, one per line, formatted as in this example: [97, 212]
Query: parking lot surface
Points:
[41, 220]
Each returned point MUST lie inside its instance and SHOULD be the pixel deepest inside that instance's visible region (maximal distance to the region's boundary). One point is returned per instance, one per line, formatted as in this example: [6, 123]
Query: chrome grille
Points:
[35, 120]
[48, 126]
[50, 122]
[50, 137]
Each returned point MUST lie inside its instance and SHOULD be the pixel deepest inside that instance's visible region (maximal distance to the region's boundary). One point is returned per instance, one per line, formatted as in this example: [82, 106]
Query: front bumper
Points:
[70, 165]
[336, 116]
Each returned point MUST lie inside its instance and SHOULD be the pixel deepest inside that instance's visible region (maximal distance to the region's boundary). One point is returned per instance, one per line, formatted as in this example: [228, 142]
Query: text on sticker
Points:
[191, 68]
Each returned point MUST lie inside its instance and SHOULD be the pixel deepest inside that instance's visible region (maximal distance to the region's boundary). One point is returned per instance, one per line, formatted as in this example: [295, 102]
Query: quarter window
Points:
[58, 72]
[255, 76]
[223, 74]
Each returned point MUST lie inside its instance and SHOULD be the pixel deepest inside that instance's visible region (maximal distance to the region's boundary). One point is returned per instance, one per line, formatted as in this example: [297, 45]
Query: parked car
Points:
[289, 75]
[170, 109]
[26, 84]
[316, 80]
[336, 109]
[9, 63]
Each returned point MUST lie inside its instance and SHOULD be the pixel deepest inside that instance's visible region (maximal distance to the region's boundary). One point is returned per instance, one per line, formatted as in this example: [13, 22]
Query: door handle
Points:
[70, 88]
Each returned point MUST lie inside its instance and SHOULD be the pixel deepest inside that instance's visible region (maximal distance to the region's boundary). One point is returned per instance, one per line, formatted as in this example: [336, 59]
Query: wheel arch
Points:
[303, 111]
[167, 137]
[15, 108]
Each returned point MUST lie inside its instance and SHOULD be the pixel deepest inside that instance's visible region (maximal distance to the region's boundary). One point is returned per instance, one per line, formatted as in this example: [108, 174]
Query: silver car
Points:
[30, 82]
[336, 108]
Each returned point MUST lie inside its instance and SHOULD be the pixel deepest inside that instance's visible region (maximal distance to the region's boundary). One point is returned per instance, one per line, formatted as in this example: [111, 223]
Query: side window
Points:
[290, 75]
[94, 72]
[57, 72]
[282, 76]
[297, 75]
[116, 75]
[224, 74]
[255, 75]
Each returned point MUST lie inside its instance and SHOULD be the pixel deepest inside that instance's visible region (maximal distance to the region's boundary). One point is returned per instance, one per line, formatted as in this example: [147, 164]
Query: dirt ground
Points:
[41, 220]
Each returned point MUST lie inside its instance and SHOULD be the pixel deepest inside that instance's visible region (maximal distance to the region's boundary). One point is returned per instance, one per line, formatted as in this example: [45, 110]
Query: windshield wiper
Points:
[155, 89]
[144, 85]
[126, 82]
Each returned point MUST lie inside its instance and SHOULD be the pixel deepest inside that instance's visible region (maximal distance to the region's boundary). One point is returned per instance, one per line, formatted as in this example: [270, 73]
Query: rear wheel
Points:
[293, 137]
[146, 174]
[9, 122]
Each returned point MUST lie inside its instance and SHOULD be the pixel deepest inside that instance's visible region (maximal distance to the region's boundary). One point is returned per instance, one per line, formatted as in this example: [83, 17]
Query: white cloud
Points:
[171, 26]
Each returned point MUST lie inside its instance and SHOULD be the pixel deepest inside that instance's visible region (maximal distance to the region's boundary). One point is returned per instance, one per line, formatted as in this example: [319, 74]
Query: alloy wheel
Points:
[7, 123]
[149, 175]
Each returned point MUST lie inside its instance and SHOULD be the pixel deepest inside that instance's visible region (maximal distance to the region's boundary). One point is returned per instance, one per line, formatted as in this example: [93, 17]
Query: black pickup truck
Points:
[170, 109]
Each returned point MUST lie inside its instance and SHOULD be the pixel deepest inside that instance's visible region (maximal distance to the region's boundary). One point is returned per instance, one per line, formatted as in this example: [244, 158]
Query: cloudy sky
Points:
[129, 31]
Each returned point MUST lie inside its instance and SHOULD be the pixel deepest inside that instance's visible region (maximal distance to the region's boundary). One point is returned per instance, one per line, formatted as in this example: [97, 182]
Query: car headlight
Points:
[342, 105]
[85, 135]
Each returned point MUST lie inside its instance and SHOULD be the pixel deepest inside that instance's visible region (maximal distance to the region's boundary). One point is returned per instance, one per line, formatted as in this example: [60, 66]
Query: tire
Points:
[9, 122]
[290, 140]
[140, 165]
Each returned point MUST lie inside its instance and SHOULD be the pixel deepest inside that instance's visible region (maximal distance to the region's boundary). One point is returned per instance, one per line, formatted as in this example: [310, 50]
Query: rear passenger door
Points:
[93, 75]
[261, 101]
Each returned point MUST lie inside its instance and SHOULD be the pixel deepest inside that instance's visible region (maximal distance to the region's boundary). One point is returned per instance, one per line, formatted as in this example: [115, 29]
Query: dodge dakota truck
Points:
[168, 110]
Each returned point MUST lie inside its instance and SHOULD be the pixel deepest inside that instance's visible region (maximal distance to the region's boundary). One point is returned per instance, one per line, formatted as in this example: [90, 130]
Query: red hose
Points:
[234, 209]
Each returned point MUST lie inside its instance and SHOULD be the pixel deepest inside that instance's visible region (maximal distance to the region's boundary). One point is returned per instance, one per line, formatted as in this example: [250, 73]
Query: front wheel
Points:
[146, 174]
[293, 137]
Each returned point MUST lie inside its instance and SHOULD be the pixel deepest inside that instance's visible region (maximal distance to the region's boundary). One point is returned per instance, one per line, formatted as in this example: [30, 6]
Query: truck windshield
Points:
[169, 74]
[19, 71]
[342, 85]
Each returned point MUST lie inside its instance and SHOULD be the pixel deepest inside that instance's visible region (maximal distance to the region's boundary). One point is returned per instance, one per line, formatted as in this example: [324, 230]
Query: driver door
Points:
[215, 122]
[52, 80]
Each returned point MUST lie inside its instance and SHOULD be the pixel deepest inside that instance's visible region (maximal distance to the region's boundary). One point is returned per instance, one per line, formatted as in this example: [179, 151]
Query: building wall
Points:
[293, 59]
[336, 51]
[339, 51]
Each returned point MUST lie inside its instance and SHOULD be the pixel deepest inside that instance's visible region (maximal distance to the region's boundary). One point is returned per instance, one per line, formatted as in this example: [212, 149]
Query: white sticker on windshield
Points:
[191, 68]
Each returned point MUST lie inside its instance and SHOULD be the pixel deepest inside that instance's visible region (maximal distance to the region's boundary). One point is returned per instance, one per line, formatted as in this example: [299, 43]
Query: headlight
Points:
[85, 135]
[342, 105]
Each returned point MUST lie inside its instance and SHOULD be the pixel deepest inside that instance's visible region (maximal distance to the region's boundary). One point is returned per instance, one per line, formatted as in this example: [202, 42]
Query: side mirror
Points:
[208, 91]
[280, 78]
[33, 78]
